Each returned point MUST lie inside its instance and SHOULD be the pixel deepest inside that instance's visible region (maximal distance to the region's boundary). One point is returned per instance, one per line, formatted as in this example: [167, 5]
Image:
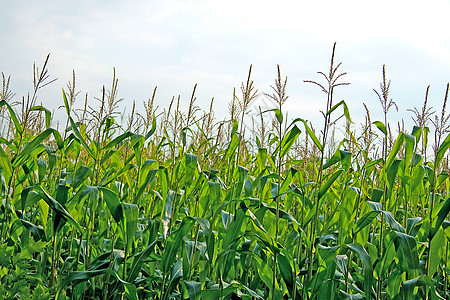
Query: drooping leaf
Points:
[329, 182]
[57, 207]
[367, 264]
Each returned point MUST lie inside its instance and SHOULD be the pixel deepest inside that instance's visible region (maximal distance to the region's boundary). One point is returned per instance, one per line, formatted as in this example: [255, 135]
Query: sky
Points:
[176, 44]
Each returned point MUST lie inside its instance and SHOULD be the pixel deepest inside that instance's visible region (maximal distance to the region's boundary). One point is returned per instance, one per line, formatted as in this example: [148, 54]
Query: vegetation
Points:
[168, 204]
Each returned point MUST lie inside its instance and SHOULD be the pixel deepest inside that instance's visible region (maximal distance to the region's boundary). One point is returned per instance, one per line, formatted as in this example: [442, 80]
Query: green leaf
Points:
[168, 211]
[77, 277]
[215, 292]
[130, 212]
[191, 166]
[48, 114]
[441, 151]
[289, 140]
[367, 265]
[235, 230]
[139, 260]
[286, 272]
[278, 114]
[24, 154]
[394, 151]
[177, 274]
[265, 272]
[152, 130]
[328, 183]
[381, 126]
[13, 116]
[409, 247]
[346, 112]
[442, 215]
[338, 156]
[437, 251]
[347, 213]
[392, 222]
[409, 285]
[113, 203]
[74, 128]
[365, 220]
[37, 231]
[174, 243]
[347, 296]
[194, 288]
[57, 207]
[310, 133]
[80, 175]
[118, 140]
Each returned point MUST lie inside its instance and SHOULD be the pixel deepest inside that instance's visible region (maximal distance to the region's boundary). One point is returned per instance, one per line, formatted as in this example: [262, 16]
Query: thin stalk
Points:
[445, 272]
[54, 271]
[332, 81]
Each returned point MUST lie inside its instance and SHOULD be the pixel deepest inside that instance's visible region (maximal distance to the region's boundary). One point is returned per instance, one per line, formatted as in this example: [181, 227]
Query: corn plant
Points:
[167, 204]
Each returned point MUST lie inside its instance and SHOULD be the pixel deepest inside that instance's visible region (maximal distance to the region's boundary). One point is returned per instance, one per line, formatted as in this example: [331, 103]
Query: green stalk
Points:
[445, 271]
[278, 205]
[54, 271]
[319, 180]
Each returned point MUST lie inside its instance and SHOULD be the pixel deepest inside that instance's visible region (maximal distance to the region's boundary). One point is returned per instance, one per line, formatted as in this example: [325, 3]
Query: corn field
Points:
[171, 204]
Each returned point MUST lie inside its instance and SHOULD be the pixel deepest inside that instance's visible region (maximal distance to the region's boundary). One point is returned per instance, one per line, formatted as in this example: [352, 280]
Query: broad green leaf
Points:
[310, 133]
[13, 116]
[177, 274]
[48, 114]
[365, 220]
[347, 213]
[57, 207]
[26, 150]
[329, 182]
[130, 213]
[278, 114]
[191, 167]
[113, 203]
[380, 126]
[409, 247]
[174, 243]
[235, 229]
[118, 140]
[284, 215]
[437, 251]
[152, 130]
[338, 156]
[80, 175]
[286, 272]
[346, 112]
[367, 264]
[139, 260]
[409, 285]
[390, 220]
[289, 140]
[265, 272]
[442, 215]
[168, 211]
[215, 292]
[194, 288]
[347, 296]
[441, 151]
[261, 159]
[37, 231]
[242, 174]
[394, 151]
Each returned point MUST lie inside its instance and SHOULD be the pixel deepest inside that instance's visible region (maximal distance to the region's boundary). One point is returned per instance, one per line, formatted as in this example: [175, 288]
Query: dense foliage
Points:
[177, 205]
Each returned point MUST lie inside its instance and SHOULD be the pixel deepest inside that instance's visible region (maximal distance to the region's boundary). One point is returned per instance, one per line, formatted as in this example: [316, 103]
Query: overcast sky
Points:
[176, 44]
